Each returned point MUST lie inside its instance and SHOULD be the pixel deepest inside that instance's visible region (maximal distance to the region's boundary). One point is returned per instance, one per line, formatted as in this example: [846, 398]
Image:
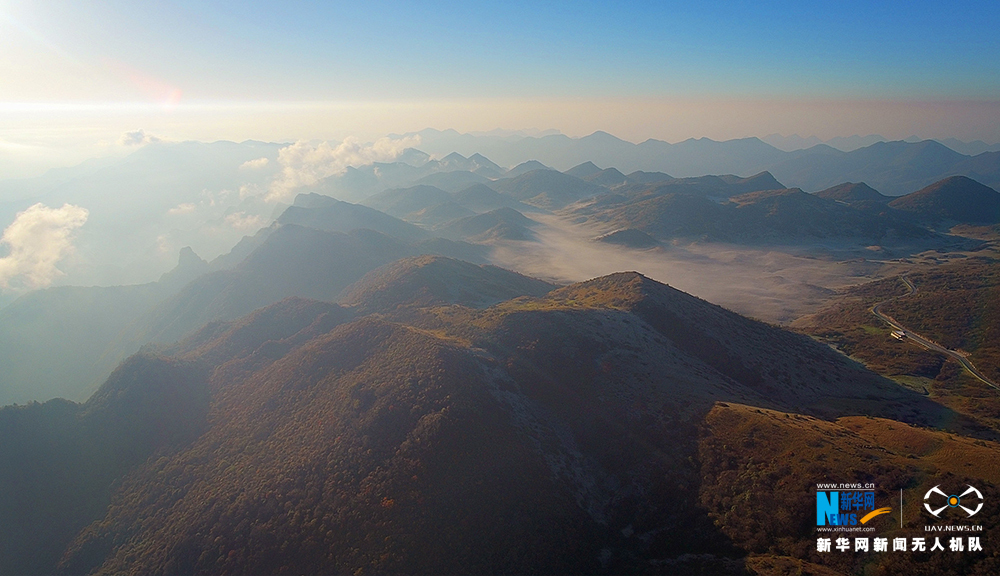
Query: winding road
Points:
[924, 342]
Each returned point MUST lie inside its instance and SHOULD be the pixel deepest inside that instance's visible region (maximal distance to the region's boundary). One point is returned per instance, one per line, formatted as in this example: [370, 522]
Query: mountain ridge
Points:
[957, 198]
[325, 441]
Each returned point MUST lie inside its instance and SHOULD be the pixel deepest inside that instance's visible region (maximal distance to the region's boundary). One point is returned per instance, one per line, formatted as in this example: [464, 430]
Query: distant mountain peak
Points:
[437, 280]
[189, 266]
[629, 237]
[609, 177]
[854, 192]
[630, 283]
[188, 257]
[588, 168]
[413, 157]
[956, 198]
[525, 167]
[601, 135]
[760, 181]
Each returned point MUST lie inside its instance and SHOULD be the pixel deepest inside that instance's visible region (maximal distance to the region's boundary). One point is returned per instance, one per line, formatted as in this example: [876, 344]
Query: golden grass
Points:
[760, 468]
[768, 565]
[949, 452]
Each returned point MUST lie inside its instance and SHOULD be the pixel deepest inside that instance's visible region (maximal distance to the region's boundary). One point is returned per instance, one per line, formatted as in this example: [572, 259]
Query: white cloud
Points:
[185, 208]
[136, 138]
[163, 244]
[244, 221]
[254, 164]
[38, 239]
[303, 164]
[248, 190]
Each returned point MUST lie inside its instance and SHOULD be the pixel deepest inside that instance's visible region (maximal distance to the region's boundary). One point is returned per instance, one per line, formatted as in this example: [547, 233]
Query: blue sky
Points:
[667, 70]
[318, 51]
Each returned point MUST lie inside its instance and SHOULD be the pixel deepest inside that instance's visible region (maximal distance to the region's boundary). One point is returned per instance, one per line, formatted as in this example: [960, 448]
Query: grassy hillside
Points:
[955, 305]
[958, 306]
[588, 429]
[760, 467]
[61, 461]
[727, 209]
[956, 199]
[434, 280]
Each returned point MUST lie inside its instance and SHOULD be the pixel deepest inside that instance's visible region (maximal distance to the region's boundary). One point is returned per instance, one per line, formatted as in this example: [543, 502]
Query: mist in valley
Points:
[102, 259]
[768, 283]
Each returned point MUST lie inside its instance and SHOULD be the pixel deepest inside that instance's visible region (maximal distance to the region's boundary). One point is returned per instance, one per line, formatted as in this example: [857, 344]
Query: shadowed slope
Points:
[957, 199]
[548, 435]
[59, 461]
[851, 193]
[293, 261]
[500, 224]
[434, 280]
[332, 215]
[401, 202]
[786, 216]
[547, 188]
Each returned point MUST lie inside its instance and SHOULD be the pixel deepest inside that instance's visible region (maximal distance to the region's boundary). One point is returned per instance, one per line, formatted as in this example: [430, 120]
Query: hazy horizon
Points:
[74, 78]
[54, 150]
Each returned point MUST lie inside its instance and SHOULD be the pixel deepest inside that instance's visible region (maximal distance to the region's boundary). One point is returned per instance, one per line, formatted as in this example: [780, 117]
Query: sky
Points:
[74, 76]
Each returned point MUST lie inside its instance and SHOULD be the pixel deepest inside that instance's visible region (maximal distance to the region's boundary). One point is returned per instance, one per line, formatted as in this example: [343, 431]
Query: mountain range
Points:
[89, 330]
[86, 331]
[208, 195]
[854, 193]
[851, 143]
[761, 210]
[956, 199]
[320, 245]
[446, 418]
[893, 168]
[145, 207]
[355, 388]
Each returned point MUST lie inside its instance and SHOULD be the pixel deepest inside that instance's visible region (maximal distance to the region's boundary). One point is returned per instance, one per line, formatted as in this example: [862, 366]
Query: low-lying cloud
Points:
[254, 164]
[185, 208]
[244, 221]
[136, 138]
[37, 240]
[304, 164]
[761, 282]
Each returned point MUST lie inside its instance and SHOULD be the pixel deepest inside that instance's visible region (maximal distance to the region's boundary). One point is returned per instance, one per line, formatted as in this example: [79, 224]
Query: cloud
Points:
[38, 239]
[254, 164]
[185, 208]
[163, 244]
[248, 190]
[244, 221]
[303, 164]
[136, 138]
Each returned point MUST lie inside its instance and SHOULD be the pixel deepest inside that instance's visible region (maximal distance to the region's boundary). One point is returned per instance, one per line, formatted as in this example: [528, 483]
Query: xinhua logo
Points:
[842, 508]
[936, 496]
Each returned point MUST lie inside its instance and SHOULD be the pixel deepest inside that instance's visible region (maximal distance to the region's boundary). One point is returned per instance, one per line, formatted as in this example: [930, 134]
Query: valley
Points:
[616, 366]
[902, 333]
